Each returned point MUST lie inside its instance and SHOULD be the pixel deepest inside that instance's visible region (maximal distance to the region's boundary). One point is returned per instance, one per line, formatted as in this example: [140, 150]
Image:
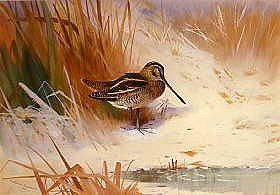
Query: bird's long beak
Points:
[178, 96]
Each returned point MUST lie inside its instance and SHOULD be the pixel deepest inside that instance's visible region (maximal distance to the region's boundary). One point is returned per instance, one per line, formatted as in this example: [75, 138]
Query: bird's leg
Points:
[130, 113]
[138, 120]
[138, 125]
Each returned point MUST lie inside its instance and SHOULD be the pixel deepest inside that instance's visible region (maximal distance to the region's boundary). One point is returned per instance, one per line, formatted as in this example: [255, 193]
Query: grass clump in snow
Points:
[39, 39]
[236, 32]
[74, 39]
[75, 180]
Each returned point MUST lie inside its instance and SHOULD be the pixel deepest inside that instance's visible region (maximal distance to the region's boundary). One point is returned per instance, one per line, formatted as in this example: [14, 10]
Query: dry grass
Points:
[74, 40]
[157, 27]
[75, 180]
[94, 40]
[236, 32]
[175, 165]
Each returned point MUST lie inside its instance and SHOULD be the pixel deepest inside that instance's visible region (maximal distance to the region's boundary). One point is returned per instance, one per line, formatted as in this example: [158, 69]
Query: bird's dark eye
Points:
[156, 72]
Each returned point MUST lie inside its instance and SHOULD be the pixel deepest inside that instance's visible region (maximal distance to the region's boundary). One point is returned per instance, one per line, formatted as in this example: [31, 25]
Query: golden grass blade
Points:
[107, 29]
[77, 112]
[56, 176]
[75, 180]
[129, 15]
[60, 182]
[240, 39]
[44, 160]
[105, 169]
[28, 177]
[94, 12]
[121, 28]
[99, 13]
[110, 186]
[32, 7]
[86, 182]
[5, 100]
[60, 154]
[131, 45]
[7, 12]
[116, 16]
[3, 107]
[4, 166]
[87, 8]
[38, 9]
[91, 183]
[98, 183]
[38, 178]
[53, 67]
[62, 6]
[98, 188]
[71, 29]
[117, 174]
[53, 19]
[125, 173]
[130, 40]
[65, 33]
[73, 172]
[27, 167]
[133, 189]
[63, 178]
[81, 19]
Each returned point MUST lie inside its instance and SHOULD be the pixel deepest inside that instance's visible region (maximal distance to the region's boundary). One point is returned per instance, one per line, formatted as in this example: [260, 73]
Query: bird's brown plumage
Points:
[132, 90]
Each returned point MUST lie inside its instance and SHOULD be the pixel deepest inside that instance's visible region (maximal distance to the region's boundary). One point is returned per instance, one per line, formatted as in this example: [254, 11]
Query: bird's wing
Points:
[97, 85]
[101, 85]
[125, 84]
[133, 75]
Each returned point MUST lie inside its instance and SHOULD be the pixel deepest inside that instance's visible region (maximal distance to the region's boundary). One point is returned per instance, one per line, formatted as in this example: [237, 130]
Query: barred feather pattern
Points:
[97, 85]
[141, 96]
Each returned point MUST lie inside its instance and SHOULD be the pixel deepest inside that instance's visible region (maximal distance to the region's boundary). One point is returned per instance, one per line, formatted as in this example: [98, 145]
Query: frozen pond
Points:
[211, 180]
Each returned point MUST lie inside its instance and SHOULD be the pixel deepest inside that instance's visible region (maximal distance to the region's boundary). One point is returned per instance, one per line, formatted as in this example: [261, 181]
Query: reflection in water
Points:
[246, 180]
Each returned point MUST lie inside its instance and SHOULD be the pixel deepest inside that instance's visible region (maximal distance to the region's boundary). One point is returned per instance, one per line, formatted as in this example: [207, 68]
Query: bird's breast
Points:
[156, 88]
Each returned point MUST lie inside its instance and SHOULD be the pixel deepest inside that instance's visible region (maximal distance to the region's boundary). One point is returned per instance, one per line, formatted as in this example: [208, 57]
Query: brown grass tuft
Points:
[236, 32]
[76, 180]
[73, 40]
[89, 41]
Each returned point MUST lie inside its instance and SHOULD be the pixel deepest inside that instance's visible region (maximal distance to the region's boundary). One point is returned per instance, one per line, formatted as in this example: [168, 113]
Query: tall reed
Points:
[92, 39]
[236, 32]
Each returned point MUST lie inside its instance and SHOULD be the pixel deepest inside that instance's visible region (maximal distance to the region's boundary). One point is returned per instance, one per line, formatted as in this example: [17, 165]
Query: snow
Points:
[226, 132]
[231, 119]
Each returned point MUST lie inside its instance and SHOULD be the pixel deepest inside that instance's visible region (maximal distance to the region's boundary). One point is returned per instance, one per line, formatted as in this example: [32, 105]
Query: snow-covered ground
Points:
[231, 120]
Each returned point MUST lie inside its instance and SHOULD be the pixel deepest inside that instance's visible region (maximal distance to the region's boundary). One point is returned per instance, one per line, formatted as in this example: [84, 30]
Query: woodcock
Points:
[132, 90]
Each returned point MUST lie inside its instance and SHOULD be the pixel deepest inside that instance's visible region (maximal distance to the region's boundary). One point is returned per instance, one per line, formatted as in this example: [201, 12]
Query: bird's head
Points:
[155, 71]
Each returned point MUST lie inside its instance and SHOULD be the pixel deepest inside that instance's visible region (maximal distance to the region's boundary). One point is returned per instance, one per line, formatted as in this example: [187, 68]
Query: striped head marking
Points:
[153, 70]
